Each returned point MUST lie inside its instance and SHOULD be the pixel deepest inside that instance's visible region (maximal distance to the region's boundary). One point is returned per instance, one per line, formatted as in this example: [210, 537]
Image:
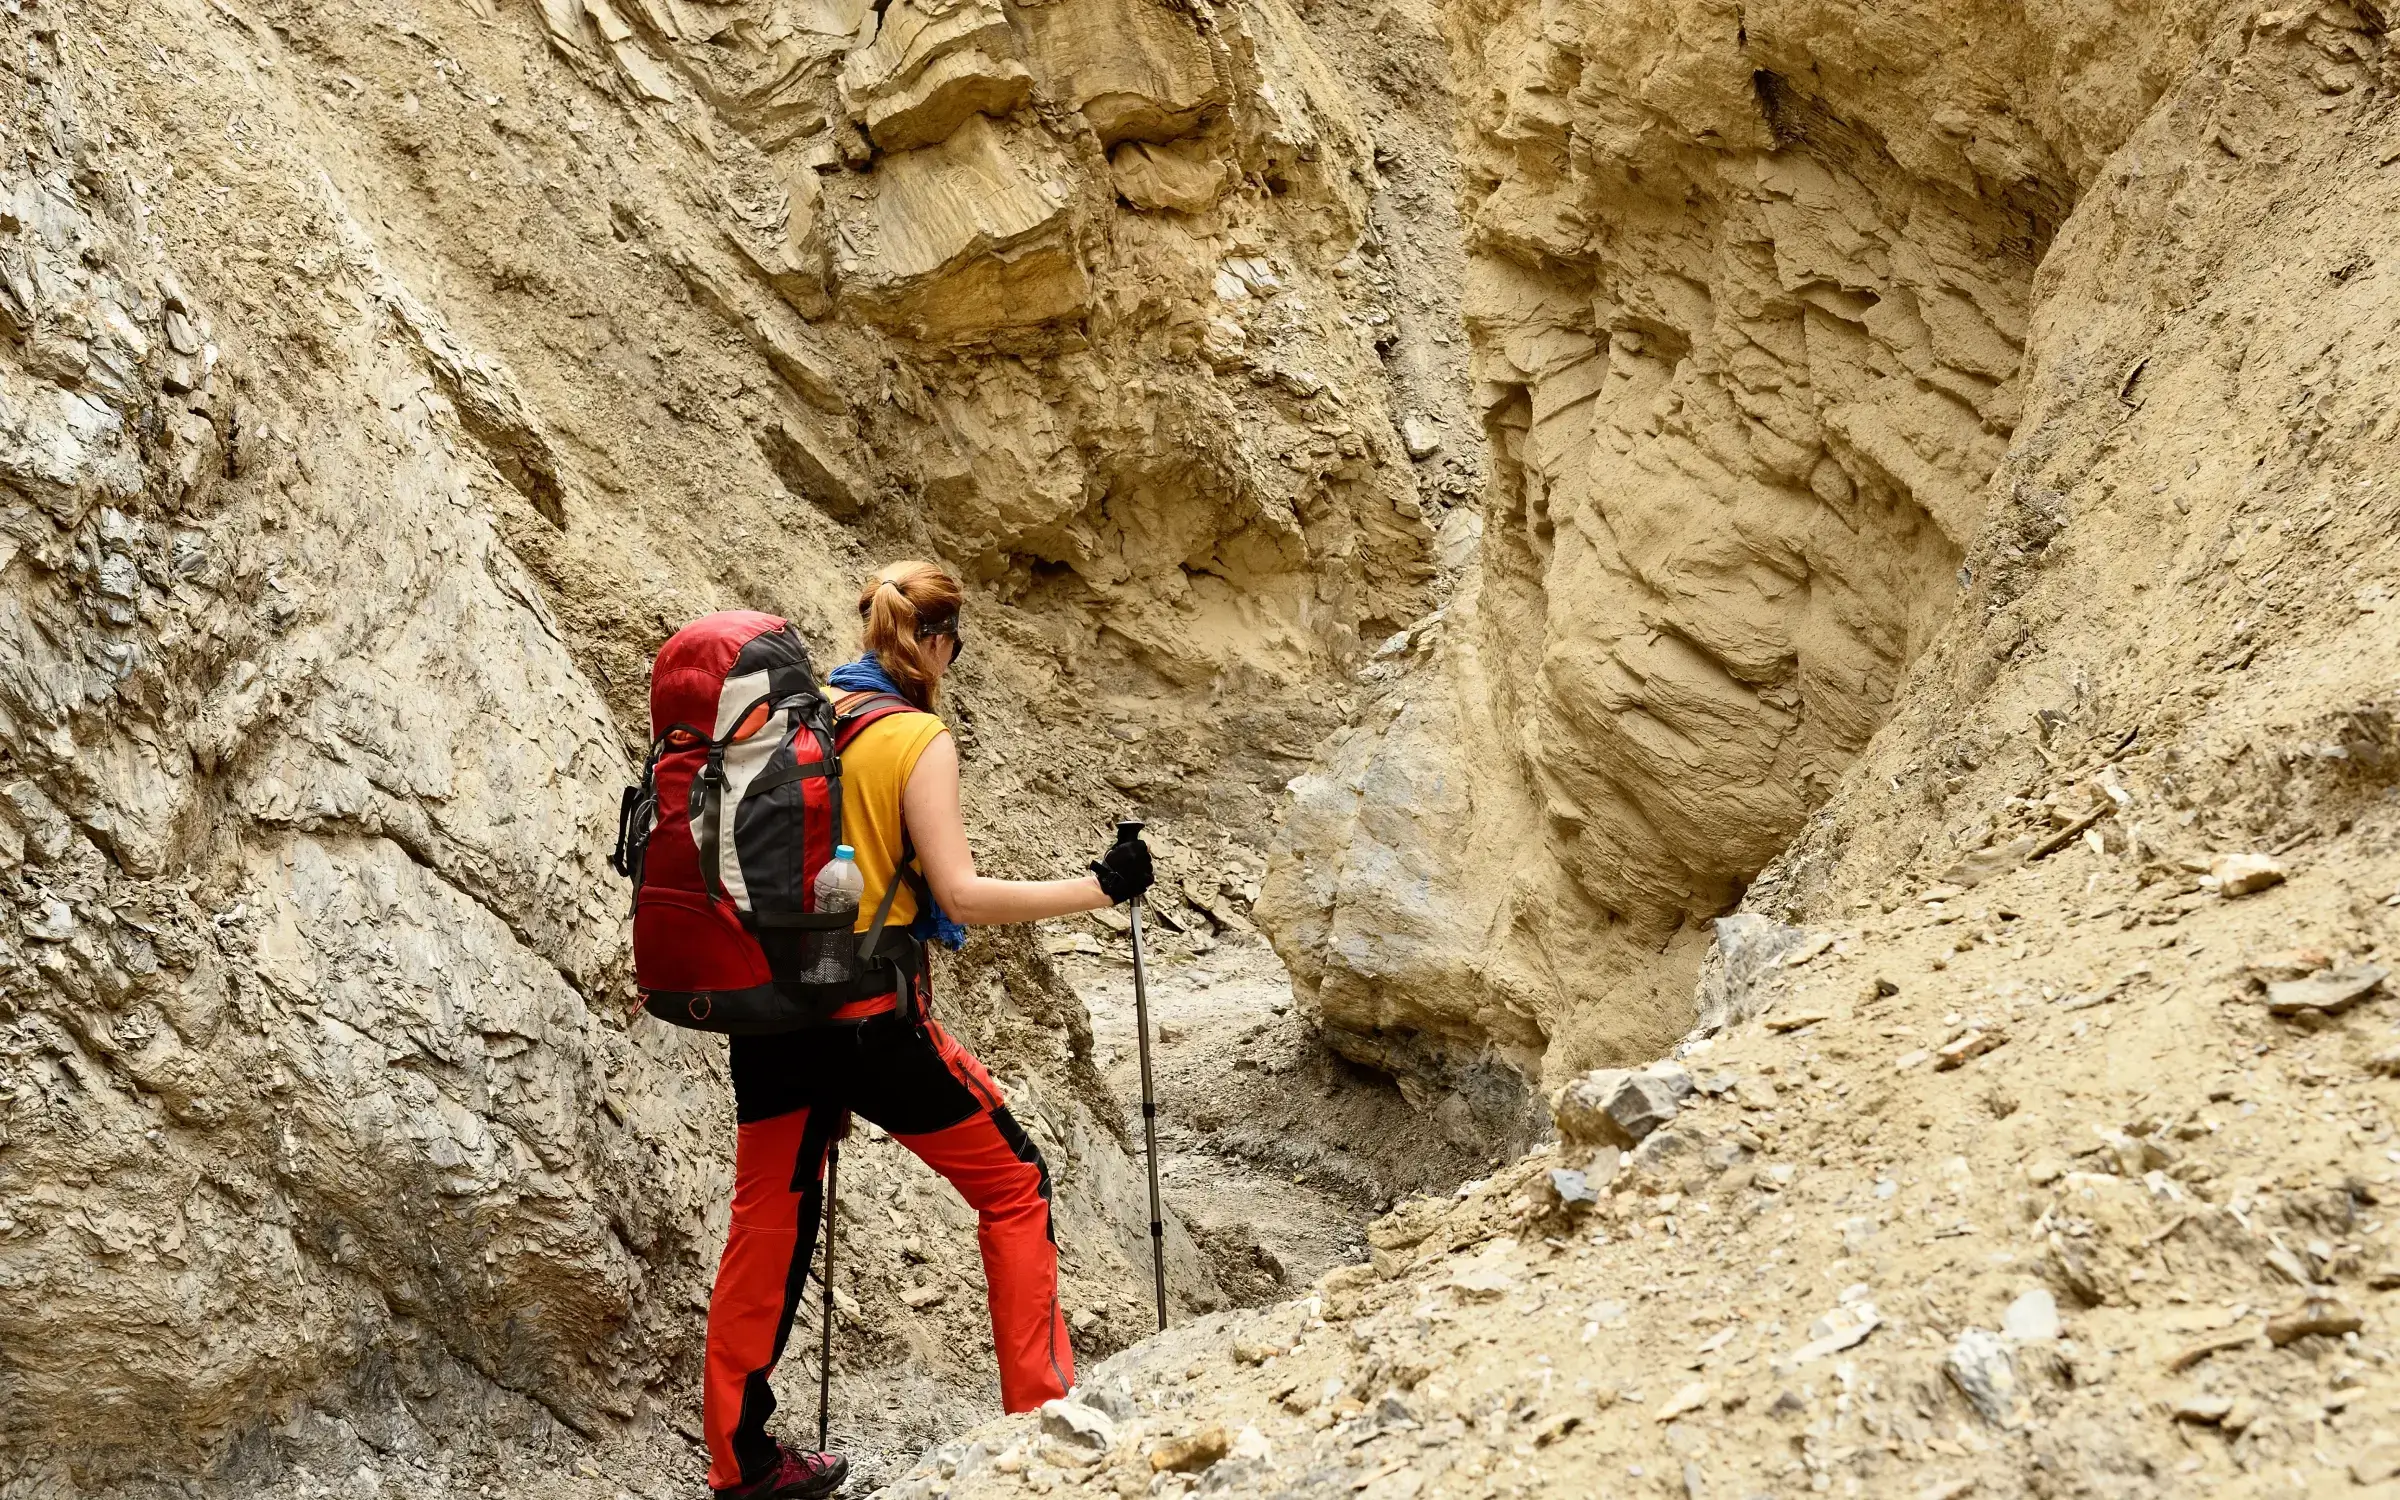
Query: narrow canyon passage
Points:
[1498, 485]
[1233, 1163]
[1273, 1150]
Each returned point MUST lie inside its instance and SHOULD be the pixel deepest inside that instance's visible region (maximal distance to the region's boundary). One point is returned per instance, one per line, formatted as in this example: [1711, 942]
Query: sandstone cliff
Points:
[378, 386]
[1749, 289]
[2035, 1137]
[1920, 441]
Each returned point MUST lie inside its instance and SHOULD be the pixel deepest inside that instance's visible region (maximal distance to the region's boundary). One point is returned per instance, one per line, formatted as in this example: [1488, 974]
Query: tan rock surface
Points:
[1749, 320]
[2064, 1265]
[1135, 69]
[1149, 176]
[931, 66]
[1942, 505]
[377, 390]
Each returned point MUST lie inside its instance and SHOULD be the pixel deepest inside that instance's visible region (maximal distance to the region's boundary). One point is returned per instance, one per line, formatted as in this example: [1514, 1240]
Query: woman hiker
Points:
[886, 1058]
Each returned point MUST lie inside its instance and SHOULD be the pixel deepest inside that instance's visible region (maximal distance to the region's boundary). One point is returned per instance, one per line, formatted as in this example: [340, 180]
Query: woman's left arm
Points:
[939, 830]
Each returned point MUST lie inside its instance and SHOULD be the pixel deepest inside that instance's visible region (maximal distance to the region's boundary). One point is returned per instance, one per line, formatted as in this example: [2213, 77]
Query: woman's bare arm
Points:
[930, 805]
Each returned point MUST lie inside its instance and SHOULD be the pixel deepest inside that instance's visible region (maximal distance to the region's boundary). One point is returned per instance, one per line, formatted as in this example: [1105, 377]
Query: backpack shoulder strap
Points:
[869, 710]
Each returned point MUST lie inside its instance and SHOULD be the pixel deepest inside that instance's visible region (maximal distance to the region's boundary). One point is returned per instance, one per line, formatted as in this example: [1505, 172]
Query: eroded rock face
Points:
[970, 234]
[376, 392]
[1043, 199]
[929, 67]
[303, 809]
[1748, 291]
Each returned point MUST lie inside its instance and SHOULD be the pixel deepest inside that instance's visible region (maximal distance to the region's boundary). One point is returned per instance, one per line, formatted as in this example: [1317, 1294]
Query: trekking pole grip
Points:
[1129, 830]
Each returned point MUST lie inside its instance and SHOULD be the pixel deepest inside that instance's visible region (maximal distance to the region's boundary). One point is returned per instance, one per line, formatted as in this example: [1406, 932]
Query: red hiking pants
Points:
[791, 1093]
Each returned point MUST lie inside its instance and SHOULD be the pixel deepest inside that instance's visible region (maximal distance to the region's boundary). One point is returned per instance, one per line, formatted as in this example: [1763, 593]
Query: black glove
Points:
[1124, 870]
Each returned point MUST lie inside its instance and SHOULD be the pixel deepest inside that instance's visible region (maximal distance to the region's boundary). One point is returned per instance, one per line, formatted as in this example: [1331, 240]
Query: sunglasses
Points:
[949, 627]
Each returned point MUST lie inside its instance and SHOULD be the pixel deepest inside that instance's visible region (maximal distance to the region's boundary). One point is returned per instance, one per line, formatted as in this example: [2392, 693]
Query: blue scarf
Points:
[866, 675]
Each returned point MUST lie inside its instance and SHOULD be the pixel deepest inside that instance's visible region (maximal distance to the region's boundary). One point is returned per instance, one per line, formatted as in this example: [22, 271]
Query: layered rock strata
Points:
[1749, 290]
[377, 390]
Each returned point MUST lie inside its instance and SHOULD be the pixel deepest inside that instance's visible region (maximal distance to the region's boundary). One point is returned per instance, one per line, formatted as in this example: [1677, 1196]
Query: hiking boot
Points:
[798, 1475]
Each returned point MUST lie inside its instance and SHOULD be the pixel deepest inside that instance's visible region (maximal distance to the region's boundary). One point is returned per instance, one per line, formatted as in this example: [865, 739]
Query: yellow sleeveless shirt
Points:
[875, 770]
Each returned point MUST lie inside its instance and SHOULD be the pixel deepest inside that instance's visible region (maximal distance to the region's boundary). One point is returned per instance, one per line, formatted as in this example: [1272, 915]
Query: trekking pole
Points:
[1127, 832]
[833, 1166]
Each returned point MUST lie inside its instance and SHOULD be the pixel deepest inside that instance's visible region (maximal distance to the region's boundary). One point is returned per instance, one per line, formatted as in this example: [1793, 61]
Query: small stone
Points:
[182, 337]
[2216, 1343]
[2203, 1411]
[1794, 1020]
[1072, 1421]
[1420, 438]
[2044, 1172]
[2289, 1266]
[1256, 1351]
[1571, 1187]
[923, 1296]
[1756, 1092]
[2376, 1465]
[1957, 1053]
[1846, 1327]
[1084, 1321]
[1616, 1107]
[2297, 964]
[1689, 1399]
[2332, 991]
[1190, 1454]
[2244, 1413]
[1557, 1427]
[1674, 1076]
[2245, 874]
[1985, 1372]
[1252, 1445]
[54, 923]
[2032, 1317]
[2320, 1315]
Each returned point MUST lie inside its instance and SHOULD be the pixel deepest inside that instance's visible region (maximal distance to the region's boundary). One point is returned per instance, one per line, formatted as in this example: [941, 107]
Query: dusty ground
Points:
[1833, 1270]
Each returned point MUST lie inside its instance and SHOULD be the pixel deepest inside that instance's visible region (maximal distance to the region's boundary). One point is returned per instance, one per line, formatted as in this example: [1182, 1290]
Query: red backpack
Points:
[739, 807]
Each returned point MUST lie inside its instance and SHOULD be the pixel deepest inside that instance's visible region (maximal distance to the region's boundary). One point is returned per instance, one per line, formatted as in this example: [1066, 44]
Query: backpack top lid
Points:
[720, 664]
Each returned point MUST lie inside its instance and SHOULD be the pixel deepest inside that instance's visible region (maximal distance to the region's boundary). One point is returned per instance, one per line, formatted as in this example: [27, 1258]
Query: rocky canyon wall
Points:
[379, 385]
[1748, 289]
[2075, 1011]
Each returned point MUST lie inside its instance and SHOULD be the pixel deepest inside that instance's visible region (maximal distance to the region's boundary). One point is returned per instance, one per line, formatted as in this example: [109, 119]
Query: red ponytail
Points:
[895, 605]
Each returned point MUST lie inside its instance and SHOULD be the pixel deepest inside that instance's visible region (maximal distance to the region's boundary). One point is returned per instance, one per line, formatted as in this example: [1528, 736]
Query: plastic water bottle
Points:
[838, 889]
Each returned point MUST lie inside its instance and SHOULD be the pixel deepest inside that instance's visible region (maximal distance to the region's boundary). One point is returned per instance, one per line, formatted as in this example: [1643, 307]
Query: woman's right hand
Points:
[1124, 871]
